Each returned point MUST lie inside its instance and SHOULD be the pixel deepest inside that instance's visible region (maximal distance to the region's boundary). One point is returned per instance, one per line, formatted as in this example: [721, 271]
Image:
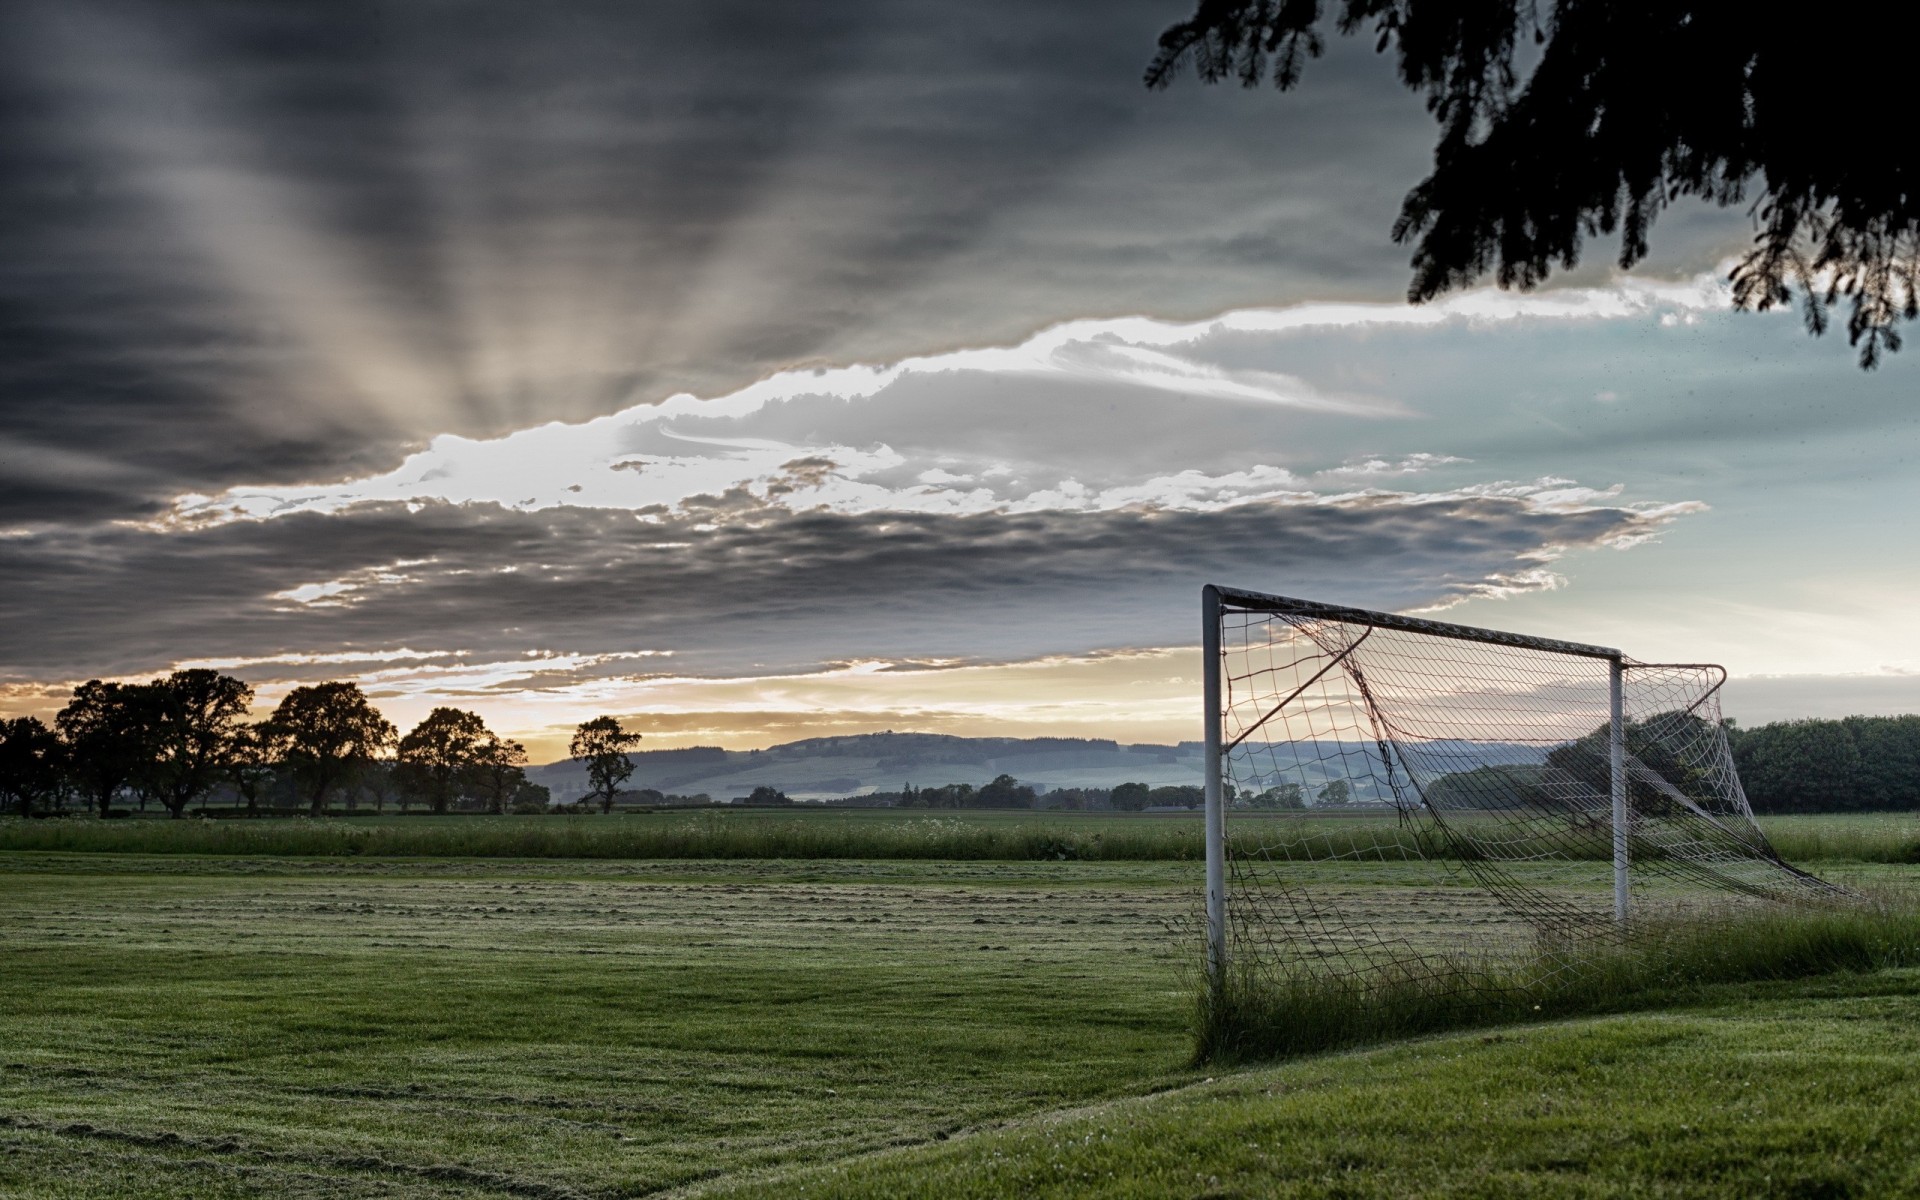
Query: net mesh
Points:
[1401, 799]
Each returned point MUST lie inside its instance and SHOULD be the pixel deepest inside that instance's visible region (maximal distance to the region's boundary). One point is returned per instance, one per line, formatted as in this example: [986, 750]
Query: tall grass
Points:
[689, 836]
[1260, 1014]
[1001, 836]
[1848, 837]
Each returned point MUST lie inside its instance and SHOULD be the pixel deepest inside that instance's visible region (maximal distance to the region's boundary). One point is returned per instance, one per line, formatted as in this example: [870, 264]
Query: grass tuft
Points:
[1263, 1014]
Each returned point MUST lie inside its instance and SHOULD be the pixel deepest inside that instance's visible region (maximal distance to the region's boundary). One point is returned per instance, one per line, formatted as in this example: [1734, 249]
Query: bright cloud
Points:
[655, 456]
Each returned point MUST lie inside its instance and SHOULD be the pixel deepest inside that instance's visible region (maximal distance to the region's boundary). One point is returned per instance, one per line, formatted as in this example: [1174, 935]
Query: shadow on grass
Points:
[1261, 1012]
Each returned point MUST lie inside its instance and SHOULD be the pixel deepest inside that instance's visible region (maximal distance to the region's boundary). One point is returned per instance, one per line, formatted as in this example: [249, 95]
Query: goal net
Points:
[1392, 793]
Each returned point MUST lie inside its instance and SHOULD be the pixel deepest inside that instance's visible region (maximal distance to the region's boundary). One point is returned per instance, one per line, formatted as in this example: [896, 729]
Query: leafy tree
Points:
[603, 745]
[768, 795]
[104, 727]
[32, 764]
[439, 754]
[1339, 791]
[192, 720]
[498, 770]
[1629, 106]
[324, 731]
[1132, 797]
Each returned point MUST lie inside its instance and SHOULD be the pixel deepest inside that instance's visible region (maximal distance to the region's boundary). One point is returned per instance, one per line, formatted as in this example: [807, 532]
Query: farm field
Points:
[273, 1025]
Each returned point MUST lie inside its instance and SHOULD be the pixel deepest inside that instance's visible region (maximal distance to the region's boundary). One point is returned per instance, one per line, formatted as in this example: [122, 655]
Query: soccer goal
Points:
[1393, 793]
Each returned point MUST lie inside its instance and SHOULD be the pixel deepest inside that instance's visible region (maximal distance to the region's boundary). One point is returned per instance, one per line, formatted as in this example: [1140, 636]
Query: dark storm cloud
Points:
[253, 243]
[734, 586]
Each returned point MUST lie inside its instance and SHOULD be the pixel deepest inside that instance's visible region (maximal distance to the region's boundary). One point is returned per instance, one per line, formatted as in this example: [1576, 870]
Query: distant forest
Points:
[184, 742]
[1856, 764]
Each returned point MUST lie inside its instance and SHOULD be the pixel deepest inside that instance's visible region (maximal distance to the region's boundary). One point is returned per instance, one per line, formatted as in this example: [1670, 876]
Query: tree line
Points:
[1854, 764]
[1813, 765]
[182, 738]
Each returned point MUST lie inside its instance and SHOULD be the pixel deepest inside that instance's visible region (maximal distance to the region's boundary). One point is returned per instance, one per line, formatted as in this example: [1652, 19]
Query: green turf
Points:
[1805, 1091]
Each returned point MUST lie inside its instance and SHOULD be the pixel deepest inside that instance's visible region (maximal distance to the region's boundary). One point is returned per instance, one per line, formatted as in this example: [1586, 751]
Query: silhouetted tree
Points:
[765, 794]
[1629, 105]
[192, 720]
[104, 727]
[323, 731]
[32, 764]
[439, 753]
[497, 771]
[1132, 797]
[603, 745]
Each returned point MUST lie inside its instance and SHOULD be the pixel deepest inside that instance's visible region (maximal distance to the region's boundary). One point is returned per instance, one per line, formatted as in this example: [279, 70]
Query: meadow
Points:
[252, 1020]
[913, 834]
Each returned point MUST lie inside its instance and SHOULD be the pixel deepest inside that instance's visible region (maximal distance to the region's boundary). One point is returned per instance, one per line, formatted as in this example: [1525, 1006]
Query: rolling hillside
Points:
[822, 768]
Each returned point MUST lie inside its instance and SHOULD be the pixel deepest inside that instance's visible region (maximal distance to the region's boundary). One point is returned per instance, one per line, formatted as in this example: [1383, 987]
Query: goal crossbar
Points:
[1264, 602]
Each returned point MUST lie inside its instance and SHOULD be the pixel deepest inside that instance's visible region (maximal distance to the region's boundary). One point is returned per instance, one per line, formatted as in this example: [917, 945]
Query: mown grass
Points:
[1802, 1091]
[858, 834]
[484, 1032]
[324, 1027]
[1264, 1010]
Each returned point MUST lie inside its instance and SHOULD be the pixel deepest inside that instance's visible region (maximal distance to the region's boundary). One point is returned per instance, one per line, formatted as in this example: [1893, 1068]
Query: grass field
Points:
[263, 1024]
[1808, 1091]
[230, 1029]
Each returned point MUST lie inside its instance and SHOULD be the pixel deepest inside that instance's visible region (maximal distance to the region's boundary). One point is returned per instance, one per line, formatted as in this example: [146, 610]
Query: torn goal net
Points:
[1391, 793]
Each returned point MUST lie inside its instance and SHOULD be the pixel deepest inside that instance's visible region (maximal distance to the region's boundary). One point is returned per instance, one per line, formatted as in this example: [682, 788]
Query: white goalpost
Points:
[1389, 791]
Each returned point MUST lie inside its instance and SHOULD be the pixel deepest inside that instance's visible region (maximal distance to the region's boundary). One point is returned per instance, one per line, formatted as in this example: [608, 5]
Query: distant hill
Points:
[830, 767]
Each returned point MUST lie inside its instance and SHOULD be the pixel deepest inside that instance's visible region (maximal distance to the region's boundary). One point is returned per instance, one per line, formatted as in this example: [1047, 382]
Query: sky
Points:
[755, 371]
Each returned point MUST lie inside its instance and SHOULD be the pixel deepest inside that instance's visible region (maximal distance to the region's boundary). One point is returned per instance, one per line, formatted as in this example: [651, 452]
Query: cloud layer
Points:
[286, 244]
[742, 585]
